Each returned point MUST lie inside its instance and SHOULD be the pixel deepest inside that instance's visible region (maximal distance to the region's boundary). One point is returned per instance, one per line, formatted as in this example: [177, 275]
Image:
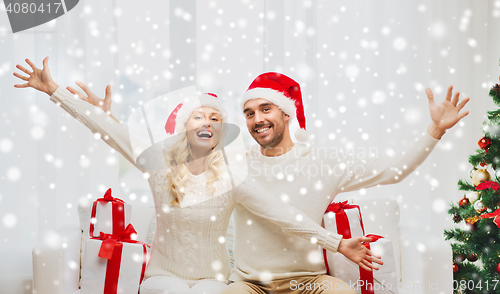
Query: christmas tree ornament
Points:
[484, 143]
[497, 269]
[463, 202]
[471, 227]
[459, 258]
[480, 175]
[479, 207]
[472, 257]
[488, 185]
[457, 218]
[473, 196]
[473, 220]
[456, 268]
[494, 215]
[472, 171]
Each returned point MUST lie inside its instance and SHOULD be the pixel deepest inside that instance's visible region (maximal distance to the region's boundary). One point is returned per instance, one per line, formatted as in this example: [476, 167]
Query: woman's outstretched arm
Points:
[95, 118]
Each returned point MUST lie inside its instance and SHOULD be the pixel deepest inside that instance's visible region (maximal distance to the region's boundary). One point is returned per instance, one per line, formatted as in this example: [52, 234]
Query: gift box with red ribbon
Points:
[114, 264]
[381, 281]
[346, 220]
[109, 215]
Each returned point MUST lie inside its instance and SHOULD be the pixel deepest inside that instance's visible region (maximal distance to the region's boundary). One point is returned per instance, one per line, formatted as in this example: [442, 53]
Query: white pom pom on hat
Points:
[283, 92]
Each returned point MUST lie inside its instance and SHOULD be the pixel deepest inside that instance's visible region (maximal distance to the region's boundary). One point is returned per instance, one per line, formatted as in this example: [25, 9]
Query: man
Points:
[267, 260]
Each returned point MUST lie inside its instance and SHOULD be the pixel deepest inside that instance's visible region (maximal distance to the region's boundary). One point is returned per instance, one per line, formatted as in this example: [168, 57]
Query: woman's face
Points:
[204, 129]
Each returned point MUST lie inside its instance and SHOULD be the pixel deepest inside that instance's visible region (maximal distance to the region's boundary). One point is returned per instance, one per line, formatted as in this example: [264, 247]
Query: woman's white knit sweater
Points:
[189, 242]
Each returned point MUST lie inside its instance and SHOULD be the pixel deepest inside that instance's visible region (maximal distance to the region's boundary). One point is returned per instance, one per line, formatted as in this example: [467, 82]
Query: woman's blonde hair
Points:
[176, 159]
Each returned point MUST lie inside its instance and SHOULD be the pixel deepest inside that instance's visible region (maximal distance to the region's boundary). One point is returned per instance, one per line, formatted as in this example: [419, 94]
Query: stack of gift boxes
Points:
[346, 220]
[114, 261]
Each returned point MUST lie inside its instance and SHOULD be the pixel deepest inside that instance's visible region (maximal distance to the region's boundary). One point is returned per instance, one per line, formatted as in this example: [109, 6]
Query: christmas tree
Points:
[476, 246]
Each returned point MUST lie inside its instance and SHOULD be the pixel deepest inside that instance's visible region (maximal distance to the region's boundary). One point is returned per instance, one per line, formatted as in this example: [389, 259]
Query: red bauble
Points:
[484, 143]
[497, 269]
[456, 267]
[463, 202]
[472, 257]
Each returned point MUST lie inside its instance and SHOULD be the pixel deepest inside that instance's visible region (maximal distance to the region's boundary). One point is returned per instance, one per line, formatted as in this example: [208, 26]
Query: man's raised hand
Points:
[446, 114]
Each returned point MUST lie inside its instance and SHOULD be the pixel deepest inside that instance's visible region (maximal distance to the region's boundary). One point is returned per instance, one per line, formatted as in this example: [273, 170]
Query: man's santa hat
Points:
[182, 112]
[283, 92]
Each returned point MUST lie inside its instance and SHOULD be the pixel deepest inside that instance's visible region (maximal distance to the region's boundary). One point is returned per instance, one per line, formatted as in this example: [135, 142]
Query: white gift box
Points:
[338, 216]
[384, 279]
[106, 213]
[95, 270]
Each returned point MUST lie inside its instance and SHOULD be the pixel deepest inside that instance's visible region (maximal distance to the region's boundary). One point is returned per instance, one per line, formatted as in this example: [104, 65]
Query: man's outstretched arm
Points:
[391, 170]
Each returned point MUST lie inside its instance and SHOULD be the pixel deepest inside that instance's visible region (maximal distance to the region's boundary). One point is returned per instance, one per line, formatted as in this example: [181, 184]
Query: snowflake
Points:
[9, 220]
[6, 145]
[13, 174]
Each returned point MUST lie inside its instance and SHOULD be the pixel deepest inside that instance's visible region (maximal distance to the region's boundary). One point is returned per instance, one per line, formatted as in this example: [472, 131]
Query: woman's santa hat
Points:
[182, 112]
[283, 92]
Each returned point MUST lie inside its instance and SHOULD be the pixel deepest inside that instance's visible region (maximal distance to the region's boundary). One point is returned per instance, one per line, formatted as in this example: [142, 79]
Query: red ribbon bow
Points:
[495, 215]
[343, 227]
[118, 207]
[109, 241]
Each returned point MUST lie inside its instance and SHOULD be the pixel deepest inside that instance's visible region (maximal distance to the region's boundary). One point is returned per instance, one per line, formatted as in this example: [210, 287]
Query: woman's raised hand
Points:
[39, 79]
[103, 104]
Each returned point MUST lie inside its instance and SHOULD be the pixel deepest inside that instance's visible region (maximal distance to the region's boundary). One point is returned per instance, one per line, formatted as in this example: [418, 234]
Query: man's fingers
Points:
[21, 77]
[371, 253]
[21, 85]
[31, 64]
[449, 92]
[369, 264]
[462, 104]
[430, 96]
[23, 69]
[361, 264]
[375, 259]
[455, 99]
[463, 114]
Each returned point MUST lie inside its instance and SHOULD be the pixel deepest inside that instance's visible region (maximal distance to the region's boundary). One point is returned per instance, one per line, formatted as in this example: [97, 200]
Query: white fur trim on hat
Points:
[191, 104]
[275, 97]
[302, 135]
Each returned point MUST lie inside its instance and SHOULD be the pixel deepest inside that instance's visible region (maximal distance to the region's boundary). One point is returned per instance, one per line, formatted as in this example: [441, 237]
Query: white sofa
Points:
[423, 261]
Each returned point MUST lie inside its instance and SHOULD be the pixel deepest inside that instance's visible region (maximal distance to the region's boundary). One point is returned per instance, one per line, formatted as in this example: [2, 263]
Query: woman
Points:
[194, 195]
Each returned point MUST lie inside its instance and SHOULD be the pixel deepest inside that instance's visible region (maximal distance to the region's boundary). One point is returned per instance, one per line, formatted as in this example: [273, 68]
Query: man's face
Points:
[265, 122]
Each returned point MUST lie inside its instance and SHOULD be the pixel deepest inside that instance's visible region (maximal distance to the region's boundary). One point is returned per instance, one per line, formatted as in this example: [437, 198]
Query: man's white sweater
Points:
[307, 178]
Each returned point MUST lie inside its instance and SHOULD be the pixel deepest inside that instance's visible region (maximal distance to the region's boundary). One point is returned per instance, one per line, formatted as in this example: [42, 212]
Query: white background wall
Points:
[356, 62]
